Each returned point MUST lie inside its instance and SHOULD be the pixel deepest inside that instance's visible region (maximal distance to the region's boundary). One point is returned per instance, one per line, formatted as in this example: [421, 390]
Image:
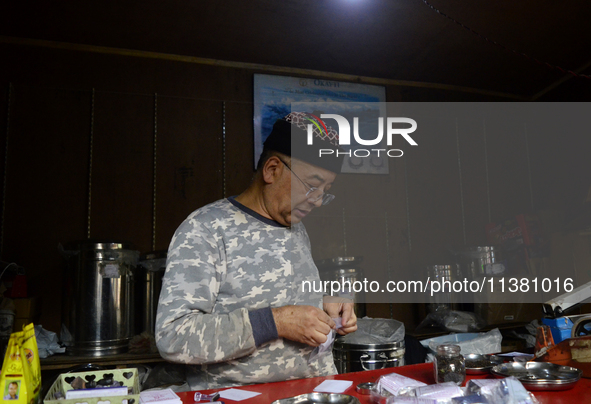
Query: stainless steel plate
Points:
[477, 364]
[319, 398]
[540, 375]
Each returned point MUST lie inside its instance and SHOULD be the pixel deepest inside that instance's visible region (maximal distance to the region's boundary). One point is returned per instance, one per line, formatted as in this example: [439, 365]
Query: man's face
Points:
[12, 388]
[292, 203]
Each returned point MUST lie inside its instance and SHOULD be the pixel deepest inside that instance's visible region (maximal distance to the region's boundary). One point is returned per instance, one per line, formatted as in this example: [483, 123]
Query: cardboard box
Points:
[494, 309]
[129, 377]
[507, 313]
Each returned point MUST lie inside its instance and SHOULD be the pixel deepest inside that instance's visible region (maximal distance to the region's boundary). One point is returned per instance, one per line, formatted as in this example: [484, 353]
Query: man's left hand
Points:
[335, 307]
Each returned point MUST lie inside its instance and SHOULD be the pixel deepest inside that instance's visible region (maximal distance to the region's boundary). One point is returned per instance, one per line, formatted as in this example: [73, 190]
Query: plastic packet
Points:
[394, 384]
[483, 386]
[510, 391]
[443, 392]
[326, 347]
[476, 398]
[411, 400]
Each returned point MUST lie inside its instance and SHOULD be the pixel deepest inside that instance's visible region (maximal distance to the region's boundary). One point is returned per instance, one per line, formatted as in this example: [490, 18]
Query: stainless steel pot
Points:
[344, 269]
[443, 273]
[148, 285]
[480, 261]
[98, 302]
[358, 357]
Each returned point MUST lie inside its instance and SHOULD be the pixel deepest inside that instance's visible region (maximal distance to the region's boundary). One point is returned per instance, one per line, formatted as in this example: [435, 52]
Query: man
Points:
[12, 391]
[232, 302]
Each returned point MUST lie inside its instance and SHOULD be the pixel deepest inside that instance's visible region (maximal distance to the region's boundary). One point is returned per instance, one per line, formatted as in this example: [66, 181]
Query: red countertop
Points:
[579, 394]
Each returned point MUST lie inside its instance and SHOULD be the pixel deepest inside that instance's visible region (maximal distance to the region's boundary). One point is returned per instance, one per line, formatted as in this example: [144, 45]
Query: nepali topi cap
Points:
[290, 136]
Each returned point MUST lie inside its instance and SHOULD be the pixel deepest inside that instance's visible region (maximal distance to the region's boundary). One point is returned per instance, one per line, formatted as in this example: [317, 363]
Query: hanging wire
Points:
[8, 266]
[91, 141]
[154, 169]
[525, 55]
[9, 102]
[224, 148]
[461, 182]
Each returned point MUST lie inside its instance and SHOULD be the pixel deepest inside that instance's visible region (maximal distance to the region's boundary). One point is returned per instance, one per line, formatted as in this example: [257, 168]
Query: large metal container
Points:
[358, 357]
[344, 269]
[98, 301]
[443, 273]
[148, 283]
[480, 261]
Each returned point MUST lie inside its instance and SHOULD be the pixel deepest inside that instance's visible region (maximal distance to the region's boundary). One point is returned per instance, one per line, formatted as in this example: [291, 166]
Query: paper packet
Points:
[16, 381]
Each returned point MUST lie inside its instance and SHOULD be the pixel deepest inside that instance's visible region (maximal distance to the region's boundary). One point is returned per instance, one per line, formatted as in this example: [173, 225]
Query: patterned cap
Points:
[320, 130]
[289, 136]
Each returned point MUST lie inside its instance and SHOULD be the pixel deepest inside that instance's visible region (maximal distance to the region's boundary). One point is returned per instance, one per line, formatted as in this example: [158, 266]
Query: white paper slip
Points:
[333, 386]
[166, 396]
[101, 392]
[237, 394]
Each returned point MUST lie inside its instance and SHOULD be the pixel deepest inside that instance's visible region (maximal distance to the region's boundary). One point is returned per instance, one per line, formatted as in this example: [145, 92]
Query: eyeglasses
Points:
[314, 194]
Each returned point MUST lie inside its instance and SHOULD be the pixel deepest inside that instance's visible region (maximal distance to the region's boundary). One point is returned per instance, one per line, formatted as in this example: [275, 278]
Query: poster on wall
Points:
[275, 95]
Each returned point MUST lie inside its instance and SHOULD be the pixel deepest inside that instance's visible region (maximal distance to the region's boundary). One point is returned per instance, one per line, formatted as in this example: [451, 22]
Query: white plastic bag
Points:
[485, 343]
[47, 342]
[375, 331]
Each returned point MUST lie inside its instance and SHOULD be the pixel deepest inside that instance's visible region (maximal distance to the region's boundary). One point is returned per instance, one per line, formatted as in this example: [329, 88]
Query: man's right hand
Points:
[305, 324]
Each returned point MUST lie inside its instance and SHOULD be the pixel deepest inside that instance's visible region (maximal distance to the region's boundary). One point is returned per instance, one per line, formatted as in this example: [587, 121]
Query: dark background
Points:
[176, 78]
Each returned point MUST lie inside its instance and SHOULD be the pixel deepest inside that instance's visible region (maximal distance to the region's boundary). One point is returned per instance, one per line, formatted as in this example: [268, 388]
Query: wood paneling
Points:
[46, 186]
[434, 194]
[189, 162]
[239, 147]
[122, 169]
[473, 160]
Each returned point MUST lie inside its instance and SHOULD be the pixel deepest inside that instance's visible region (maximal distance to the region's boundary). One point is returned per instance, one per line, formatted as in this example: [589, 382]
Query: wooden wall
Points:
[198, 119]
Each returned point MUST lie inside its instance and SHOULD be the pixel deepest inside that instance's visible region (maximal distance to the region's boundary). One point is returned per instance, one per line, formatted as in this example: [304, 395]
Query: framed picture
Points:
[274, 97]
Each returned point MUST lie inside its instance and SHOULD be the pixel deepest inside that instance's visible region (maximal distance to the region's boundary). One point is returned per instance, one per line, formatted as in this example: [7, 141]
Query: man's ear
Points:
[272, 169]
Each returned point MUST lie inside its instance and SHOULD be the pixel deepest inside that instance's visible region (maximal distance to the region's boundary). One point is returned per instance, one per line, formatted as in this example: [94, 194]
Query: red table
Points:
[580, 394]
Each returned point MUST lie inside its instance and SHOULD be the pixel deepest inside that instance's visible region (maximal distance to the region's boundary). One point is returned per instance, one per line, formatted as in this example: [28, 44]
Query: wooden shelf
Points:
[63, 361]
[437, 332]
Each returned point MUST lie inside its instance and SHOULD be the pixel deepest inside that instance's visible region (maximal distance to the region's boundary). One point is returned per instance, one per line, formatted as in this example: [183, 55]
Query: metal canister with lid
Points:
[443, 273]
[346, 271]
[150, 271]
[98, 305]
[480, 261]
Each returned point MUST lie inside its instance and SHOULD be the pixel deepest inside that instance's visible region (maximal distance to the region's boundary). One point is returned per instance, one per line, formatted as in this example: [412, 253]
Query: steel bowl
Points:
[474, 363]
[537, 376]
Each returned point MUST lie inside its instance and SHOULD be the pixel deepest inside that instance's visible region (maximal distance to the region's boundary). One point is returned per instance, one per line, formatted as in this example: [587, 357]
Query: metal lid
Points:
[91, 245]
[444, 270]
[442, 267]
[482, 249]
[366, 388]
[154, 255]
[448, 350]
[339, 261]
[348, 346]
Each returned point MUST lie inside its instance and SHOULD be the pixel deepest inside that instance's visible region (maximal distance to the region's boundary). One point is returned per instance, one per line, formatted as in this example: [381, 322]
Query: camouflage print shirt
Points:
[225, 264]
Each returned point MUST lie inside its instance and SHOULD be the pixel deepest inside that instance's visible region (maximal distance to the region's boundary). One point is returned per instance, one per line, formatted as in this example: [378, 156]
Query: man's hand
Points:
[305, 324]
[335, 307]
